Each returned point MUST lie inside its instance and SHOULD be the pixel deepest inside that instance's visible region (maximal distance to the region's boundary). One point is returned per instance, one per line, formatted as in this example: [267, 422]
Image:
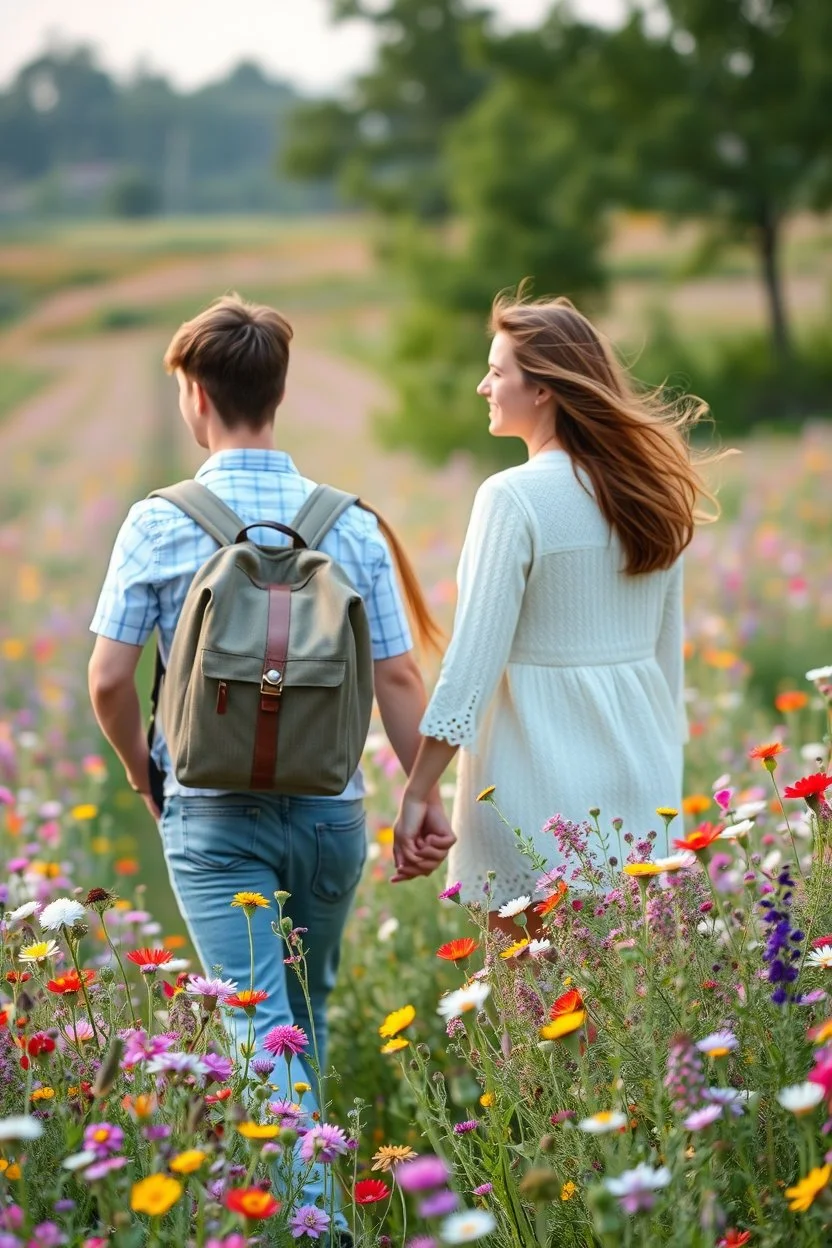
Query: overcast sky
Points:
[191, 41]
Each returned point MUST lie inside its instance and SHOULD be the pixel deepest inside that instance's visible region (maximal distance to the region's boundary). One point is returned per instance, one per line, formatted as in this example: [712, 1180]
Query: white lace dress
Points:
[563, 682]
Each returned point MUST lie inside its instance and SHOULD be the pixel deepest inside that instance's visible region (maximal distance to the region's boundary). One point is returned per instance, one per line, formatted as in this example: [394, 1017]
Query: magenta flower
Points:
[701, 1118]
[103, 1139]
[437, 1204]
[138, 1047]
[308, 1220]
[286, 1040]
[451, 892]
[211, 990]
[217, 1068]
[484, 1189]
[100, 1169]
[462, 1128]
[287, 1113]
[421, 1174]
[323, 1142]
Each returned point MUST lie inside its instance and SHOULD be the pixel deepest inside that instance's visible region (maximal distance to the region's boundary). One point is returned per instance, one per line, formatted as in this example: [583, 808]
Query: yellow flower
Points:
[666, 812]
[155, 1195]
[49, 870]
[187, 1162]
[384, 836]
[12, 649]
[85, 812]
[517, 947]
[40, 951]
[486, 793]
[397, 1021]
[821, 1033]
[43, 1094]
[101, 844]
[568, 1190]
[390, 1155]
[302, 1087]
[11, 1170]
[563, 1026]
[258, 1130]
[393, 1046]
[250, 901]
[487, 1099]
[641, 868]
[803, 1194]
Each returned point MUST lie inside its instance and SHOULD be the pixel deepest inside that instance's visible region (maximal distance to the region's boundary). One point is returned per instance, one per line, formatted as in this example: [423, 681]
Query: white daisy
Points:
[677, 862]
[747, 810]
[641, 1179]
[176, 965]
[78, 1161]
[813, 752]
[512, 908]
[736, 830]
[821, 957]
[21, 913]
[387, 928]
[62, 913]
[603, 1123]
[467, 1225]
[820, 673]
[538, 947]
[471, 997]
[39, 952]
[801, 1098]
[20, 1127]
[718, 1044]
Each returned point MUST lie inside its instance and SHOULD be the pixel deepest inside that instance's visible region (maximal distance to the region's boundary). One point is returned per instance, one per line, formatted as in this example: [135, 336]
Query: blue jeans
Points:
[313, 848]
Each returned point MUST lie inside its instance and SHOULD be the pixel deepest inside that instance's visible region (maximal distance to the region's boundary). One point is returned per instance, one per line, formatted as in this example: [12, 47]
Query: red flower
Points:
[456, 950]
[251, 1202]
[218, 1096]
[39, 1044]
[768, 751]
[248, 999]
[17, 977]
[150, 959]
[734, 1239]
[70, 982]
[701, 838]
[809, 786]
[821, 940]
[368, 1191]
[554, 899]
[568, 1003]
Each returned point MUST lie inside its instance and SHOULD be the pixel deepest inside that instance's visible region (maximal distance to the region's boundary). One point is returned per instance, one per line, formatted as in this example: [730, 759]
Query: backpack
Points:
[269, 682]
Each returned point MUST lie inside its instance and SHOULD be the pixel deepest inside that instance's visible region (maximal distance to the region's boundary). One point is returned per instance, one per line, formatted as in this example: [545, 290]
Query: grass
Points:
[17, 384]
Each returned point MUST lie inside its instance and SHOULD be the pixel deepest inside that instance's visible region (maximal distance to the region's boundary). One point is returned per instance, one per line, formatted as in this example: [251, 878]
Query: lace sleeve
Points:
[491, 578]
[670, 647]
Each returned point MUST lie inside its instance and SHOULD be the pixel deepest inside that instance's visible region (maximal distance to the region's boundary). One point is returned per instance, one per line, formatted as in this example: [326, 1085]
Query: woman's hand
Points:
[422, 837]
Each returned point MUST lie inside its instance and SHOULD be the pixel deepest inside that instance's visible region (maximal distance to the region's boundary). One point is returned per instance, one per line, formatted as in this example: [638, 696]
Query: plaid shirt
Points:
[159, 549]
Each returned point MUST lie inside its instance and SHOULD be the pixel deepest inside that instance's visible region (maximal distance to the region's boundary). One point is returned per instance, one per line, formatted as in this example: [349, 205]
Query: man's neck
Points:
[241, 439]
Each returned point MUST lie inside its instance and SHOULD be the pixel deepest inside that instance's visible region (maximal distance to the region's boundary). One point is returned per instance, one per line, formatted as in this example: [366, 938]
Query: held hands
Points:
[422, 837]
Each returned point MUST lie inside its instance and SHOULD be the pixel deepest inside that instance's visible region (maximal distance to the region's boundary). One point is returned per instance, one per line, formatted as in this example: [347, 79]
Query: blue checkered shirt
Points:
[159, 549]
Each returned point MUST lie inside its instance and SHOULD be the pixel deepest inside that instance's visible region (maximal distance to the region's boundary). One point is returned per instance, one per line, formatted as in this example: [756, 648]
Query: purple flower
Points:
[421, 1174]
[308, 1220]
[235, 1240]
[103, 1139]
[685, 1076]
[437, 1204]
[46, 1235]
[157, 1131]
[462, 1128]
[286, 1040]
[701, 1118]
[422, 1241]
[262, 1067]
[211, 990]
[172, 1064]
[287, 1112]
[484, 1189]
[452, 892]
[781, 951]
[138, 1047]
[217, 1068]
[100, 1169]
[323, 1142]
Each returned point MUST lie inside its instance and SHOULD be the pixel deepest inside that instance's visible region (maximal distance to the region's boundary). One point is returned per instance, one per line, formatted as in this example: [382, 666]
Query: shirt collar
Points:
[250, 459]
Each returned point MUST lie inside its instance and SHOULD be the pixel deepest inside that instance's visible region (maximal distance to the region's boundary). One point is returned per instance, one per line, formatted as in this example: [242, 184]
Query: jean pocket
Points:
[217, 835]
[341, 853]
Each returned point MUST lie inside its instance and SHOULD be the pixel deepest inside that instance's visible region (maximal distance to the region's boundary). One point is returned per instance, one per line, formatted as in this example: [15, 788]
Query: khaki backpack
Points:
[269, 682]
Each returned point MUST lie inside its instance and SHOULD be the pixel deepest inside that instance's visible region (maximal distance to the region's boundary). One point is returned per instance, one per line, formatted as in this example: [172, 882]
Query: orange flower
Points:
[568, 1003]
[69, 982]
[248, 999]
[766, 752]
[456, 950]
[704, 836]
[563, 1025]
[251, 1202]
[548, 904]
[696, 804]
[792, 700]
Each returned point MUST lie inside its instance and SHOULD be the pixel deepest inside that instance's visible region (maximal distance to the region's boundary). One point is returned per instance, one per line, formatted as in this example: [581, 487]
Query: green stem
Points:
[87, 1003]
[121, 968]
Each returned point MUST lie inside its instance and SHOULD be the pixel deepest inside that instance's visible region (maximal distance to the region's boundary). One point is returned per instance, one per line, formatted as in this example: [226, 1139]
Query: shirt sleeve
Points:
[670, 653]
[128, 606]
[491, 578]
[389, 629]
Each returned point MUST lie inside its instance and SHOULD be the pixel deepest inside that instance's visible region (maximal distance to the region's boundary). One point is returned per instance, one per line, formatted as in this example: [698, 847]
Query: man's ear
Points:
[201, 400]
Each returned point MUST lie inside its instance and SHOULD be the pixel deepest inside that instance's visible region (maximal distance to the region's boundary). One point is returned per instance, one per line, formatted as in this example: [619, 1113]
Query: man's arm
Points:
[112, 685]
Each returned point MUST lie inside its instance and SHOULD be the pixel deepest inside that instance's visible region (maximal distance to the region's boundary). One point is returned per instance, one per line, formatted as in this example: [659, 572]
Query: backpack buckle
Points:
[271, 684]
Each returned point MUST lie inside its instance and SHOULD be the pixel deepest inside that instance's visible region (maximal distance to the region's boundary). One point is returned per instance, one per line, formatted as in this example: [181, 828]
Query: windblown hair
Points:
[631, 443]
[429, 635]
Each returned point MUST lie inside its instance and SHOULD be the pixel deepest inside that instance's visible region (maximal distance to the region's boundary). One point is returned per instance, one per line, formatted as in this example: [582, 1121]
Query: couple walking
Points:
[562, 684]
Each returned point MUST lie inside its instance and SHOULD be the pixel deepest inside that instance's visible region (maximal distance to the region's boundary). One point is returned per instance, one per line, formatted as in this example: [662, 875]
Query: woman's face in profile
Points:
[511, 399]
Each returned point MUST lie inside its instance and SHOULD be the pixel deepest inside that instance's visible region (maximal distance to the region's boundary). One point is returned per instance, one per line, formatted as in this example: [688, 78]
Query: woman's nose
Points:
[483, 387]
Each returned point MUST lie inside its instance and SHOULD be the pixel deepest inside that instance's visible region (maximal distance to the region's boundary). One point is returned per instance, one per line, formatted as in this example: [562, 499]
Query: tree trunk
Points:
[772, 278]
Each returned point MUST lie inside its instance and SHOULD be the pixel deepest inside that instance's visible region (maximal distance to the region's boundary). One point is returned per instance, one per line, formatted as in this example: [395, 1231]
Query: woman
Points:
[563, 682]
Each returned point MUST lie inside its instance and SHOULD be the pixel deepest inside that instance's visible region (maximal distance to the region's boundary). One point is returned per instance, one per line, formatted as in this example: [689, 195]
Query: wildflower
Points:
[517, 947]
[567, 1003]
[808, 786]
[103, 1138]
[250, 901]
[462, 1128]
[636, 1189]
[472, 997]
[735, 831]
[603, 1123]
[563, 1025]
[155, 1195]
[734, 1239]
[324, 1142]
[387, 929]
[801, 1098]
[802, 1196]
[390, 1155]
[211, 990]
[696, 804]
[468, 1225]
[685, 1076]
[84, 812]
[395, 1045]
[258, 1130]
[396, 1022]
[641, 869]
[149, 960]
[369, 1191]
[172, 1065]
[26, 911]
[791, 700]
[568, 1190]
[486, 793]
[251, 1202]
[451, 893]
[20, 1127]
[457, 950]
[719, 1044]
[701, 838]
[667, 812]
[43, 1094]
[820, 957]
[78, 1032]
[421, 1174]
[286, 1040]
[309, 1220]
[64, 912]
[550, 903]
[822, 1033]
[767, 753]
[247, 999]
[676, 862]
[488, 1099]
[40, 951]
[69, 983]
[287, 1112]
[538, 947]
[701, 1118]
[519, 905]
[187, 1162]
[437, 1204]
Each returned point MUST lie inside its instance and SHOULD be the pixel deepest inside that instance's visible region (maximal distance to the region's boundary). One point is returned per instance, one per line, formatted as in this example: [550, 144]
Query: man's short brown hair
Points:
[239, 354]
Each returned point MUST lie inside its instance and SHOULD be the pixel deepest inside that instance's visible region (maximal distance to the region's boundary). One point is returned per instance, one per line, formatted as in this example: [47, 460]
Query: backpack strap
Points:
[320, 511]
[203, 506]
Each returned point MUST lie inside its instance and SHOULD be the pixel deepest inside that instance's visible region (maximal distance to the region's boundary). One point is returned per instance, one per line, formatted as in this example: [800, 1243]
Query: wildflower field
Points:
[648, 1061]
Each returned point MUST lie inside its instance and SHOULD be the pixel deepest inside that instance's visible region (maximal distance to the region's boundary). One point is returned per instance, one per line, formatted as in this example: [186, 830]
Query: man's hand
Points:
[422, 838]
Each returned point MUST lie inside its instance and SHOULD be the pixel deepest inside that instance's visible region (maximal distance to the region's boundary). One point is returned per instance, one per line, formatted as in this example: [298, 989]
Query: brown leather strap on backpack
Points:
[271, 688]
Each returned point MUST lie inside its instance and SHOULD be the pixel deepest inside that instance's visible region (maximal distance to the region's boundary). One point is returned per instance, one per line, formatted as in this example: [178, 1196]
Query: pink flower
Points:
[286, 1040]
[323, 1142]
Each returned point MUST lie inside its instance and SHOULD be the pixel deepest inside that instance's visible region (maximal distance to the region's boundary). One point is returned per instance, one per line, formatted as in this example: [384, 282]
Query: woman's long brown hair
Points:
[429, 635]
[631, 444]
